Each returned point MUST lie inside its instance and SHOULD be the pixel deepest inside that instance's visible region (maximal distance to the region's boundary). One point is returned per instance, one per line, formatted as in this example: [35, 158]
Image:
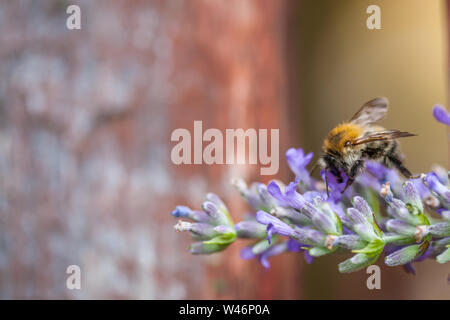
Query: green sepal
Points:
[373, 248]
[319, 251]
[223, 239]
[423, 220]
[206, 248]
[399, 239]
[339, 224]
[414, 210]
[229, 220]
[263, 245]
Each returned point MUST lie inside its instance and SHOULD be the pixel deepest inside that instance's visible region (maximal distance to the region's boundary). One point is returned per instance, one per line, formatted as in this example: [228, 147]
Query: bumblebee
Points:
[348, 145]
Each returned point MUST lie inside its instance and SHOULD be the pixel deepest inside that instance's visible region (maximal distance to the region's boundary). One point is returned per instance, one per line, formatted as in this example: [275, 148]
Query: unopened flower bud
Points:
[413, 198]
[400, 227]
[250, 229]
[444, 256]
[357, 262]
[365, 231]
[309, 236]
[362, 206]
[182, 226]
[440, 230]
[240, 185]
[350, 241]
[403, 256]
[201, 231]
[185, 212]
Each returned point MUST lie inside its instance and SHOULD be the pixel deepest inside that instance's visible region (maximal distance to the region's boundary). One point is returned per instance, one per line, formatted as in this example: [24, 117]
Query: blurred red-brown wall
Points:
[87, 115]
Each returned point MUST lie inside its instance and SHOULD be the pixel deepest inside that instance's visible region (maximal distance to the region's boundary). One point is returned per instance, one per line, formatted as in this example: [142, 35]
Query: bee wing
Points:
[372, 111]
[382, 136]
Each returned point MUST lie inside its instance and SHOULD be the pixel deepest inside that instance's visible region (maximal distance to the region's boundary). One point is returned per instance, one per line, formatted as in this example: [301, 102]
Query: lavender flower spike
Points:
[417, 227]
[441, 115]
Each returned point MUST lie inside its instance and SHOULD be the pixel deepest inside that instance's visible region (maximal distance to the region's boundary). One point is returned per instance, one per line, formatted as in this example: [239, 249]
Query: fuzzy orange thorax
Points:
[344, 132]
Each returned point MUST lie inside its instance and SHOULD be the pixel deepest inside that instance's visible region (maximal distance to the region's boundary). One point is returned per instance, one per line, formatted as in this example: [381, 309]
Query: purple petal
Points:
[274, 225]
[335, 187]
[311, 195]
[291, 198]
[247, 253]
[308, 258]
[264, 261]
[181, 211]
[441, 115]
[435, 185]
[272, 251]
[377, 169]
[297, 161]
[270, 232]
[409, 268]
[295, 246]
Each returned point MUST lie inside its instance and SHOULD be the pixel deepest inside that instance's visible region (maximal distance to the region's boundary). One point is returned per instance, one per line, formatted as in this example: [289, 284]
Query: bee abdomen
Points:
[378, 150]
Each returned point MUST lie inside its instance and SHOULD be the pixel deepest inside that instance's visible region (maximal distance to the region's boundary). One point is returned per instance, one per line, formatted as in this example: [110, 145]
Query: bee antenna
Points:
[316, 164]
[326, 181]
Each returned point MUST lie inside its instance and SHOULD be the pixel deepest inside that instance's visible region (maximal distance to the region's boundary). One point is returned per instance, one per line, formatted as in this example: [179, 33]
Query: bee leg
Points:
[348, 184]
[326, 182]
[354, 170]
[316, 165]
[397, 163]
[337, 174]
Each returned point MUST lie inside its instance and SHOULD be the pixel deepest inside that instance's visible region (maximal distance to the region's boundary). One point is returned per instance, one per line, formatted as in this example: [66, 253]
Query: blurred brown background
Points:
[86, 117]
